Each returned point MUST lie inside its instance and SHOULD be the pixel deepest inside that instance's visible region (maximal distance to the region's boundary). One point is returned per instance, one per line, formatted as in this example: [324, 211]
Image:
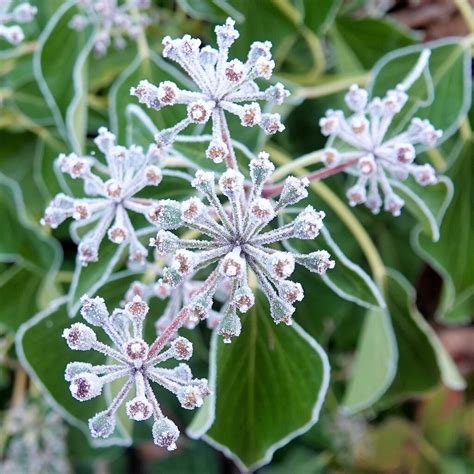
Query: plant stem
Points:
[230, 160]
[467, 13]
[301, 162]
[332, 86]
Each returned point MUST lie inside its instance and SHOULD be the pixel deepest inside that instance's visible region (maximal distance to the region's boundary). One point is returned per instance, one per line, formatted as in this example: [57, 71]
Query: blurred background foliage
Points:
[400, 340]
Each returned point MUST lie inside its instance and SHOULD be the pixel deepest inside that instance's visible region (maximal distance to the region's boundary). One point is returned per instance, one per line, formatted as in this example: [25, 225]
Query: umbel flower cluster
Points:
[371, 155]
[224, 85]
[215, 249]
[113, 22]
[134, 361]
[112, 193]
[22, 13]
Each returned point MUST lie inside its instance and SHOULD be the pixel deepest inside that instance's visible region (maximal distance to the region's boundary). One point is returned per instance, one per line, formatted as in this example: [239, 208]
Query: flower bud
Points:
[250, 115]
[153, 175]
[190, 397]
[424, 175]
[271, 124]
[200, 111]
[165, 433]
[291, 291]
[193, 210]
[261, 210]
[76, 368]
[294, 190]
[204, 181]
[230, 325]
[281, 311]
[261, 168]
[165, 242]
[308, 223]
[183, 262]
[264, 67]
[330, 157]
[94, 310]
[167, 92]
[276, 94]
[281, 265]
[166, 214]
[393, 204]
[317, 262]
[356, 195]
[226, 34]
[233, 265]
[182, 348]
[137, 309]
[243, 299]
[367, 165]
[139, 409]
[102, 425]
[231, 183]
[234, 71]
[85, 386]
[405, 153]
[80, 337]
[136, 349]
[356, 98]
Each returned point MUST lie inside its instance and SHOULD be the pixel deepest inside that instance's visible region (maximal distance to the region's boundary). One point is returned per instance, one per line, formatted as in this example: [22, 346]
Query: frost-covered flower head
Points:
[136, 363]
[112, 190]
[22, 13]
[371, 156]
[223, 86]
[237, 243]
[113, 21]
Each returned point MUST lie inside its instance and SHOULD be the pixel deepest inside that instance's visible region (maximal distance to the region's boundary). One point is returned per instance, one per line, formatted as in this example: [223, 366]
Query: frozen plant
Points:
[113, 21]
[22, 13]
[134, 361]
[223, 86]
[236, 241]
[36, 441]
[112, 193]
[370, 155]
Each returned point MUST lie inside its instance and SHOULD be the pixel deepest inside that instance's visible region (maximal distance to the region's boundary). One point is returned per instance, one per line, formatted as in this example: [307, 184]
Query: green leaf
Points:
[442, 95]
[210, 10]
[375, 363]
[268, 387]
[67, 104]
[318, 19]
[34, 259]
[44, 354]
[452, 256]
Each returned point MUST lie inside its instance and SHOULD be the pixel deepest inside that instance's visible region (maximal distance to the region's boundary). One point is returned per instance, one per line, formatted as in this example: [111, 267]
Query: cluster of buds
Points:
[371, 155]
[113, 22]
[126, 173]
[136, 362]
[35, 440]
[238, 241]
[22, 13]
[223, 86]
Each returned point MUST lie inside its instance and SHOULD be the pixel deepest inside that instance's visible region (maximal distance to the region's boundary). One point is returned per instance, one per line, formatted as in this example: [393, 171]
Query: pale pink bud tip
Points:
[80, 337]
[182, 348]
[190, 397]
[85, 386]
[139, 409]
[165, 433]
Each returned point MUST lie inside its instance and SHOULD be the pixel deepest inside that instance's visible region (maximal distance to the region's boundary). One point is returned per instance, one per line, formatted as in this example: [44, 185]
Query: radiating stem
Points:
[231, 161]
[332, 86]
[301, 162]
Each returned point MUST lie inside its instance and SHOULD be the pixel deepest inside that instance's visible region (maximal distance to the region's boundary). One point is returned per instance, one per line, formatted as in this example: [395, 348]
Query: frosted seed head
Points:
[261, 210]
[405, 153]
[81, 211]
[193, 210]
[102, 425]
[208, 56]
[318, 262]
[153, 175]
[105, 140]
[76, 368]
[172, 277]
[243, 299]
[271, 123]
[294, 190]
[231, 183]
[233, 266]
[425, 174]
[190, 397]
[234, 71]
[356, 195]
[137, 309]
[183, 262]
[165, 433]
[330, 125]
[165, 242]
[291, 291]
[117, 234]
[281, 311]
[276, 94]
[139, 409]
[80, 337]
[87, 252]
[393, 204]
[85, 386]
[182, 348]
[308, 223]
[359, 124]
[367, 165]
[167, 92]
[136, 349]
[226, 34]
[281, 265]
[250, 115]
[356, 98]
[200, 111]
[261, 168]
[230, 325]
[264, 67]
[259, 49]
[217, 151]
[204, 181]
[94, 310]
[166, 214]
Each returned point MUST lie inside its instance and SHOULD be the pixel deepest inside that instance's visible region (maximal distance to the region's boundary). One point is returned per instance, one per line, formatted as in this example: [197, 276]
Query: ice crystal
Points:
[223, 86]
[237, 243]
[127, 172]
[134, 361]
[371, 155]
[22, 13]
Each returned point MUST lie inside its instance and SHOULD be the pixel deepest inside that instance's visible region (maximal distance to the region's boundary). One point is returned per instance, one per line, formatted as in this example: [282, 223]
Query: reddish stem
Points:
[180, 318]
[275, 189]
[230, 159]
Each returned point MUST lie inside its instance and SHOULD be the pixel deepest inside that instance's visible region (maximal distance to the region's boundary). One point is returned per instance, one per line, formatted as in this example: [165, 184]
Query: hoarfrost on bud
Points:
[22, 13]
[102, 425]
[165, 433]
